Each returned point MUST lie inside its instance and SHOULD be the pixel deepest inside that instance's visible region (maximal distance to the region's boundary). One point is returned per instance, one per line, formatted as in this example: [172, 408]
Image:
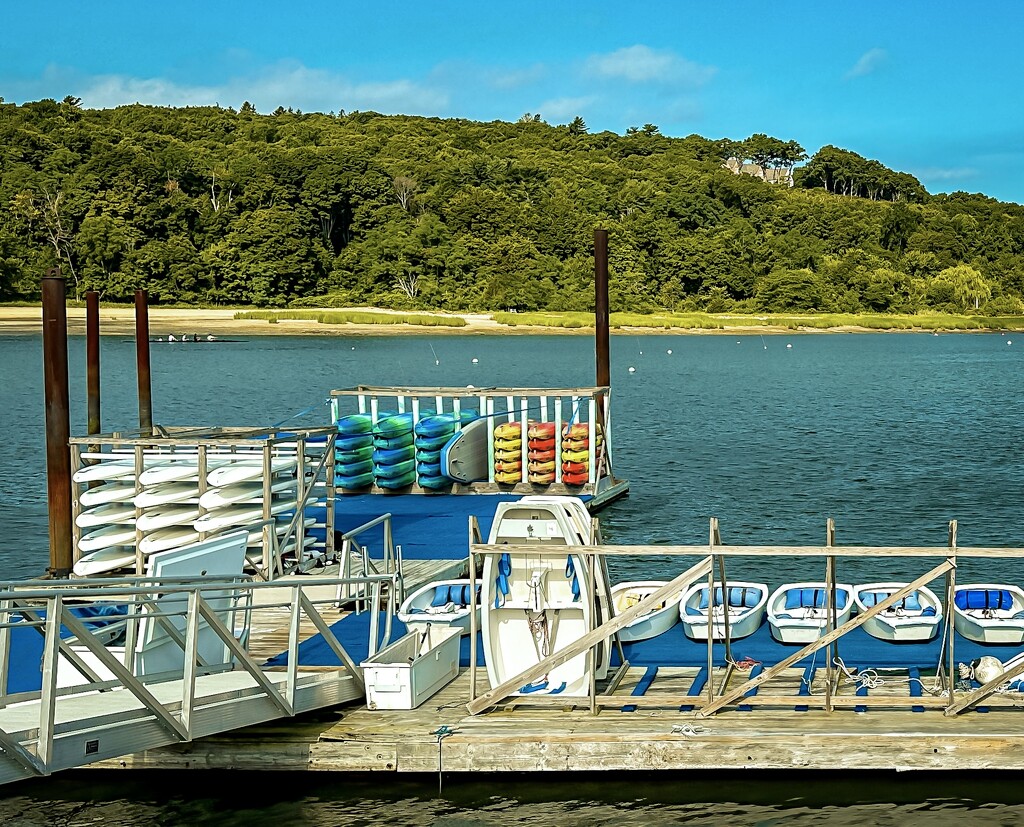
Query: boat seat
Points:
[739, 597]
[967, 599]
[910, 603]
[811, 598]
[457, 594]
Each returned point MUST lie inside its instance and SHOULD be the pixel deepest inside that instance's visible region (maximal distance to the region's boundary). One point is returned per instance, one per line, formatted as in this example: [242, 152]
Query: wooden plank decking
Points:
[521, 737]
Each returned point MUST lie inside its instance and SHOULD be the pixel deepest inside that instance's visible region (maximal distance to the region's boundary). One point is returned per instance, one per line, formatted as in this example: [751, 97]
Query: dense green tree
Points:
[212, 205]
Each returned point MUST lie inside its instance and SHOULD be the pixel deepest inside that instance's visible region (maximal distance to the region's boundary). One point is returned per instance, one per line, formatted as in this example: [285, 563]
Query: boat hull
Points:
[653, 623]
[988, 613]
[746, 611]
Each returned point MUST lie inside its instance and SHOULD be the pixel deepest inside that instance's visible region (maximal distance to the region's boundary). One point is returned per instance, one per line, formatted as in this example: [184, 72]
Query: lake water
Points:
[890, 435]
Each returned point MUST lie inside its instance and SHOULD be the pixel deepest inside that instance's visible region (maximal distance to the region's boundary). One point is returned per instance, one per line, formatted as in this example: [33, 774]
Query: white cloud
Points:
[289, 85]
[642, 64]
[517, 78]
[557, 110]
[868, 62]
[946, 173]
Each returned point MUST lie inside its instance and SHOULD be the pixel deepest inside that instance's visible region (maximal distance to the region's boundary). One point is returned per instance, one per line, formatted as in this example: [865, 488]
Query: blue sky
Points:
[929, 87]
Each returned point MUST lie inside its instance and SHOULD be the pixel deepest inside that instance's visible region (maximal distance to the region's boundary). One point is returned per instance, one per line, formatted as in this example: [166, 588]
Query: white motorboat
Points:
[796, 611]
[654, 622]
[743, 604]
[915, 617]
[532, 605]
[442, 603]
[989, 612]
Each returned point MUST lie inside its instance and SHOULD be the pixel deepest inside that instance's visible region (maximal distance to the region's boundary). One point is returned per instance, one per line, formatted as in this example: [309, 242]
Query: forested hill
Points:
[210, 205]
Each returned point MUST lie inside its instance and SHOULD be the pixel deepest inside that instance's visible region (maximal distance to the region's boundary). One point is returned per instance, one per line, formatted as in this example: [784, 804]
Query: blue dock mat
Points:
[427, 526]
[857, 649]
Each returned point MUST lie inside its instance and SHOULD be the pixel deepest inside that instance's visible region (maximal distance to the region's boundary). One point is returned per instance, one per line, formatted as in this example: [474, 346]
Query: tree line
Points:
[212, 205]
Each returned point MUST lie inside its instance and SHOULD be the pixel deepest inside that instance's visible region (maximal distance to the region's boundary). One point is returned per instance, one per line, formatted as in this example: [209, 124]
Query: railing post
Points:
[188, 678]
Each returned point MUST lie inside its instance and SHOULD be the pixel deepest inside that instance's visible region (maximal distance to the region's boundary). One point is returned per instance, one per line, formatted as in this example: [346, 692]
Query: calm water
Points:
[891, 435]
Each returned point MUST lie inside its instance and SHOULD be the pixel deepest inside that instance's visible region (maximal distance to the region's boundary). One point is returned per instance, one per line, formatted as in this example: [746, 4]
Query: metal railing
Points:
[198, 627]
[391, 564]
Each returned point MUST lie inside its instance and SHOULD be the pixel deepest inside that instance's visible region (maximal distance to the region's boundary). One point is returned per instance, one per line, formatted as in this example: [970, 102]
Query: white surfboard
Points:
[241, 492]
[166, 493]
[167, 538]
[109, 470]
[111, 535]
[246, 470]
[464, 457]
[109, 492]
[171, 471]
[163, 517]
[104, 560]
[240, 515]
[108, 514]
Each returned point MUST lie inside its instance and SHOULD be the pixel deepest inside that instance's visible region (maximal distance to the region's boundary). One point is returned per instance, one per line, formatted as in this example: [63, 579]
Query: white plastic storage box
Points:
[407, 672]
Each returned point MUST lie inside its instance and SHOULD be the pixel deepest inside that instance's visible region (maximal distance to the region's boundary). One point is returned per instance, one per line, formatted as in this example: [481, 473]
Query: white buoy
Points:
[437, 361]
[475, 360]
[669, 351]
[1009, 341]
[789, 346]
[632, 369]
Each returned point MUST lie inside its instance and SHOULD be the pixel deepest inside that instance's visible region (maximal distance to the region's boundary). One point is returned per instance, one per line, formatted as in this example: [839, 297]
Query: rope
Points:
[872, 679]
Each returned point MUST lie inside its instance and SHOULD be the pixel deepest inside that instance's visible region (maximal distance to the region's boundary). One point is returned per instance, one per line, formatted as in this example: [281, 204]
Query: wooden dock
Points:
[525, 738]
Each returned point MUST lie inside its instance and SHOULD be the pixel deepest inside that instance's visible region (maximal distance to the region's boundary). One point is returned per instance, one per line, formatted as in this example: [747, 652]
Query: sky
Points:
[929, 87]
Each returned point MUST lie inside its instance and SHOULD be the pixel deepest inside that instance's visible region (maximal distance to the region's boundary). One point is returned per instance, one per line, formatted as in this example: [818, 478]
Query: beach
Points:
[119, 320]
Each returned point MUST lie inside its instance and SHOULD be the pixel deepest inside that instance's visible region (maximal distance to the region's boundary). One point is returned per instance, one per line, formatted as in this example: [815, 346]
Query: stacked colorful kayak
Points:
[353, 453]
[541, 453]
[576, 452]
[508, 452]
[394, 451]
[432, 434]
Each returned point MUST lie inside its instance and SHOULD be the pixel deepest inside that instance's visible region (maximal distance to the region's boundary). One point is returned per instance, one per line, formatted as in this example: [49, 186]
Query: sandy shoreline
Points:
[119, 320]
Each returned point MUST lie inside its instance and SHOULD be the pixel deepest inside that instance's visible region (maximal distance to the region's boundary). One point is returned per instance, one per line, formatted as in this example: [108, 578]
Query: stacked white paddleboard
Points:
[165, 510]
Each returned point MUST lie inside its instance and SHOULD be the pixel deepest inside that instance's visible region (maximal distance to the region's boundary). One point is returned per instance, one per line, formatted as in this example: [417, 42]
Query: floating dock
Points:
[703, 707]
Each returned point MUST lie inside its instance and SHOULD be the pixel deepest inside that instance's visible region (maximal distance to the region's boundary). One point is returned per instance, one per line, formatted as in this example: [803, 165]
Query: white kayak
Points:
[240, 515]
[111, 535]
[109, 492]
[104, 560]
[166, 516]
[166, 493]
[241, 492]
[168, 538]
[246, 470]
[107, 514]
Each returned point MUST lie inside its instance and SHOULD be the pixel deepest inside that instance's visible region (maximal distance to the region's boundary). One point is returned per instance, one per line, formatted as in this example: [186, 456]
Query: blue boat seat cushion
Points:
[912, 602]
[812, 599]
[739, 597]
[459, 594]
[984, 599]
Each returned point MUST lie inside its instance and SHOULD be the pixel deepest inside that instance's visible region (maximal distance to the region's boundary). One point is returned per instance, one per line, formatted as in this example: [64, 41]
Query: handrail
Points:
[392, 560]
[197, 607]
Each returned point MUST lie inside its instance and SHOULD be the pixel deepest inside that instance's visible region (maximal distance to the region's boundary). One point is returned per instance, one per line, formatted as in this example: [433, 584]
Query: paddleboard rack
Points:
[494, 407]
[114, 465]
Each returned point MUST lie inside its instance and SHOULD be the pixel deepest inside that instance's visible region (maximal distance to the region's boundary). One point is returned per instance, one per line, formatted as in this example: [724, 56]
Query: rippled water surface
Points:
[891, 435]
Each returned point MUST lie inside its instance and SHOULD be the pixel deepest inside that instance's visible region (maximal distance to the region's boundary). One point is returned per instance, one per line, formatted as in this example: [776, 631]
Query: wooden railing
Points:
[951, 699]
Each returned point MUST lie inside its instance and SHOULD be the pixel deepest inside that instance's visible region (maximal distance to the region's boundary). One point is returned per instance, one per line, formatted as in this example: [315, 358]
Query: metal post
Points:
[142, 362]
[58, 425]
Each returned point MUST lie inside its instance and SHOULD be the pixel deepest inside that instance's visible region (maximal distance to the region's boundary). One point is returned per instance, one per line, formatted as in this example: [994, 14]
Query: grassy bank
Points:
[728, 321]
[337, 317]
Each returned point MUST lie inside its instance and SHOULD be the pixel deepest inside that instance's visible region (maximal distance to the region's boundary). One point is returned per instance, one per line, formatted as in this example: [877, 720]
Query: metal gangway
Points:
[95, 669]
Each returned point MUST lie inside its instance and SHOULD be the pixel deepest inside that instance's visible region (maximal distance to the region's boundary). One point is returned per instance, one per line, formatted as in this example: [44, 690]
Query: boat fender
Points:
[982, 670]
